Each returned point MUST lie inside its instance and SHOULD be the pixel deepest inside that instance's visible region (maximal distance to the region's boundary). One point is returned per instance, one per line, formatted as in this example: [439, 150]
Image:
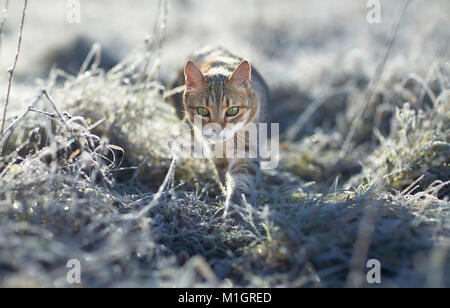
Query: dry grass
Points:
[86, 173]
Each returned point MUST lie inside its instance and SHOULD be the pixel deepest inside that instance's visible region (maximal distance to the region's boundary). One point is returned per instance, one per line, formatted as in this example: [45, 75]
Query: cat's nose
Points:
[212, 129]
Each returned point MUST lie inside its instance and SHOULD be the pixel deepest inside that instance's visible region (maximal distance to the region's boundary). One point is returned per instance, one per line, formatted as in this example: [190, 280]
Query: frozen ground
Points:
[321, 214]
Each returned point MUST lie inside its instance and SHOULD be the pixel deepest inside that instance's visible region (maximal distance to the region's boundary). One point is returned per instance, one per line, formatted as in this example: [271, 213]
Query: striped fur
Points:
[219, 89]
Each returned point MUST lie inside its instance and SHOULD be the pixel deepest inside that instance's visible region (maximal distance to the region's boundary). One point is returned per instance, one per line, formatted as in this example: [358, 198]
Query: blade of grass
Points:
[12, 70]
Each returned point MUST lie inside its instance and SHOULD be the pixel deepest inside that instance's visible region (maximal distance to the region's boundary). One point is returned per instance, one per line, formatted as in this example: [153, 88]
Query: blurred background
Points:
[300, 47]
[289, 41]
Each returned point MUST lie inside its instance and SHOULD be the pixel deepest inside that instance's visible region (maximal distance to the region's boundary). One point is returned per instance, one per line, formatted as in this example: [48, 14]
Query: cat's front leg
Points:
[241, 180]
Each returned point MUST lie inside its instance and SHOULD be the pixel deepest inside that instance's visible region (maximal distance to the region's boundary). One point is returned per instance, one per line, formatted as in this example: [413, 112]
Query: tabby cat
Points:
[226, 95]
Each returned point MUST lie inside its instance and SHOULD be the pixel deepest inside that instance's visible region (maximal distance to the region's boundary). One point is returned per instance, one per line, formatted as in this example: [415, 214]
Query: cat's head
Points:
[219, 104]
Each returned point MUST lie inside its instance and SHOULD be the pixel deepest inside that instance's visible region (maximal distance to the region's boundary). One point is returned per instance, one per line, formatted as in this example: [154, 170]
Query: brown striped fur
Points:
[218, 87]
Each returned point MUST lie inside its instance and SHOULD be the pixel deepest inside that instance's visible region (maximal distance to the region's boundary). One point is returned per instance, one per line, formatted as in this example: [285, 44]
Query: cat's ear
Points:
[193, 76]
[242, 75]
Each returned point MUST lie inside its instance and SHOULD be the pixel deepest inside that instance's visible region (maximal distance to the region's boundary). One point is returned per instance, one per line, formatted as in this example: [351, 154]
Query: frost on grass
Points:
[81, 172]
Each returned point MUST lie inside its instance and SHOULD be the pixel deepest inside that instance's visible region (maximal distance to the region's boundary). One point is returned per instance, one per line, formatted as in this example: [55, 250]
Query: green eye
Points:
[203, 111]
[233, 111]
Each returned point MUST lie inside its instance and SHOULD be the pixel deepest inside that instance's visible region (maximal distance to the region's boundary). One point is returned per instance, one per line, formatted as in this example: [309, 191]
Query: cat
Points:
[226, 95]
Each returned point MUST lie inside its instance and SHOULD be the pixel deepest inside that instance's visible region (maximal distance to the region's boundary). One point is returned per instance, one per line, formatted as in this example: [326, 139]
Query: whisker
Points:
[240, 138]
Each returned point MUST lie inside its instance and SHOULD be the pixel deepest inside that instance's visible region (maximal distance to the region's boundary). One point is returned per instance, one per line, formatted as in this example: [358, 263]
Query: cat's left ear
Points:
[242, 75]
[193, 76]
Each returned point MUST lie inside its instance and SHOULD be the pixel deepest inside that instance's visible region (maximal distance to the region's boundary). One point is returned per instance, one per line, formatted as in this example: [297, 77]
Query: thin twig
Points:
[295, 129]
[161, 189]
[174, 91]
[159, 36]
[355, 277]
[3, 23]
[47, 114]
[5, 137]
[96, 54]
[11, 71]
[162, 33]
[52, 102]
[375, 81]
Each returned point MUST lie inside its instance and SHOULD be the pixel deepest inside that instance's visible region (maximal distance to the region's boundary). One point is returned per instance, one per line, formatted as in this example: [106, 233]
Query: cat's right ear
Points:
[193, 76]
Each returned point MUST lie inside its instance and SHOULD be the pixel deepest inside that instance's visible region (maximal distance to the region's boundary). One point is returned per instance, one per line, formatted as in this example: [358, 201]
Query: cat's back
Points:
[215, 60]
